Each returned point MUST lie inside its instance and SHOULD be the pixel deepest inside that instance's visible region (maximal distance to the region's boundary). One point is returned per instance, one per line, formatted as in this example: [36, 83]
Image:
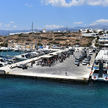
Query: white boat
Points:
[97, 76]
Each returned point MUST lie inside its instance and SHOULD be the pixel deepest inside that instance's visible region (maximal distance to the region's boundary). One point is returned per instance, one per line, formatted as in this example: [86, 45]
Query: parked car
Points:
[90, 52]
[85, 61]
[77, 62]
[89, 58]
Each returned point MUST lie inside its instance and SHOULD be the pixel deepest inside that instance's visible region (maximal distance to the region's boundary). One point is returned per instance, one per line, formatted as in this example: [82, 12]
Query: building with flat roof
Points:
[103, 41]
[89, 34]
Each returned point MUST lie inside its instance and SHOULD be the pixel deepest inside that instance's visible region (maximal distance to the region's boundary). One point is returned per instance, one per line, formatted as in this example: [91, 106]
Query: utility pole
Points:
[36, 46]
[31, 46]
[32, 27]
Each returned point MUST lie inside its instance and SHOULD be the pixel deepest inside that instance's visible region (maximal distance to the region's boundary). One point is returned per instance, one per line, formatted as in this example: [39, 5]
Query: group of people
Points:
[54, 59]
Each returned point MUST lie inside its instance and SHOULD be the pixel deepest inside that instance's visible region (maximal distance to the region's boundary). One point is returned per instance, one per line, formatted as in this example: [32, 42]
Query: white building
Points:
[99, 30]
[89, 34]
[19, 33]
[103, 40]
[44, 31]
[86, 30]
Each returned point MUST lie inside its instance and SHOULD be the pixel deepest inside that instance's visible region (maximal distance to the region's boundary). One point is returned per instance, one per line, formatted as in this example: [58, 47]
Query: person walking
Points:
[66, 73]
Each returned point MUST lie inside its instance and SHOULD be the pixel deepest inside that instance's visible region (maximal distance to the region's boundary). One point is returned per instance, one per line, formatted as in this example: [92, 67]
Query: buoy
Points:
[94, 77]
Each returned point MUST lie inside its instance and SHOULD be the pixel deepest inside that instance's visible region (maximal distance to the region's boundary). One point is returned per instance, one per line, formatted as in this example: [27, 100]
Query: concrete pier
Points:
[66, 70]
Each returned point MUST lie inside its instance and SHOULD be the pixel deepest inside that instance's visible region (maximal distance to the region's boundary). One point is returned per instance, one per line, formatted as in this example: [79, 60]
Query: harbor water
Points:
[30, 93]
[10, 53]
[35, 93]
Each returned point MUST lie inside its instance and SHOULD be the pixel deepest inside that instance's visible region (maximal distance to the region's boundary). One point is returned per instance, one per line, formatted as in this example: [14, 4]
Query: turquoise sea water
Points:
[29, 93]
[10, 53]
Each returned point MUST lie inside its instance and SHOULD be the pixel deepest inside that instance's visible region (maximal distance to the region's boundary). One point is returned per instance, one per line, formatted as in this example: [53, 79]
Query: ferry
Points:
[100, 72]
[100, 66]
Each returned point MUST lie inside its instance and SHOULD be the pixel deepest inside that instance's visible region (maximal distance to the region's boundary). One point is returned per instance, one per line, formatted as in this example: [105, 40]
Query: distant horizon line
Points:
[64, 27]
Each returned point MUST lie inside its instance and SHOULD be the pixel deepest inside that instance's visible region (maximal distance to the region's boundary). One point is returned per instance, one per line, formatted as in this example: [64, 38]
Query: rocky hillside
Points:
[47, 38]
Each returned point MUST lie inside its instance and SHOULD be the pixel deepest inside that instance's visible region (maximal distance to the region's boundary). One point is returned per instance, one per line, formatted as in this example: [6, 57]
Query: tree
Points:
[88, 31]
[100, 33]
[107, 32]
[4, 44]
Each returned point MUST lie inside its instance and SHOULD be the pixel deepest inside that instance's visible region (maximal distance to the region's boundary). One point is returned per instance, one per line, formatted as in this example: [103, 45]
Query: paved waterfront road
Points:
[61, 68]
[58, 68]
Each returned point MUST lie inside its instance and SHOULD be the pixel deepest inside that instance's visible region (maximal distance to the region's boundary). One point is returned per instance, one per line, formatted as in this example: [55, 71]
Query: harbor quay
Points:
[66, 70]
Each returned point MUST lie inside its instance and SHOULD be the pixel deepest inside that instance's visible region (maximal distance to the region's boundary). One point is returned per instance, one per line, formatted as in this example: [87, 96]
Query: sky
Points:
[19, 14]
